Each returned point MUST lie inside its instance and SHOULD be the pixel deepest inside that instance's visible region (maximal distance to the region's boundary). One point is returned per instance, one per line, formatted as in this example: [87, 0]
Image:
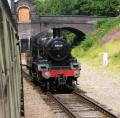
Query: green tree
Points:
[78, 7]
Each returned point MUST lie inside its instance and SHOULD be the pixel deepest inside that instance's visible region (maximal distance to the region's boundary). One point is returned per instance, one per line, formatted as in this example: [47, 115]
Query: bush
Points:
[87, 44]
[101, 22]
[71, 37]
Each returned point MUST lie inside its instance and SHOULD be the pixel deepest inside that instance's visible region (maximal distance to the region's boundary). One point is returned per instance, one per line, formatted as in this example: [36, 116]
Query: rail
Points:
[65, 109]
[95, 104]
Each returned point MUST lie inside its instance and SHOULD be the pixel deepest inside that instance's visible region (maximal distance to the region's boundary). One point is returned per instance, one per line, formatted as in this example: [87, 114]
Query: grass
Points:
[90, 51]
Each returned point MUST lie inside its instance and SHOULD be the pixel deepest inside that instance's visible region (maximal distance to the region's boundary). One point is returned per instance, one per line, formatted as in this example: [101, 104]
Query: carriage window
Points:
[24, 45]
[24, 15]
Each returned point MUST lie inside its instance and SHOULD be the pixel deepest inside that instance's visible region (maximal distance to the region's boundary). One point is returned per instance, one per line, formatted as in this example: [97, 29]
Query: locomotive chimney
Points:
[56, 32]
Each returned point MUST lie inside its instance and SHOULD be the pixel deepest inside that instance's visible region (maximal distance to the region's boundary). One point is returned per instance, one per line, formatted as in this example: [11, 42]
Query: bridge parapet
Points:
[67, 19]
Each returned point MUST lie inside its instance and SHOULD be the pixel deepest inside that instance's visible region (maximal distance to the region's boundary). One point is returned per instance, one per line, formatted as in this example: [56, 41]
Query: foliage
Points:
[92, 54]
[70, 37]
[55, 7]
[98, 7]
[94, 39]
[86, 44]
[78, 7]
[101, 22]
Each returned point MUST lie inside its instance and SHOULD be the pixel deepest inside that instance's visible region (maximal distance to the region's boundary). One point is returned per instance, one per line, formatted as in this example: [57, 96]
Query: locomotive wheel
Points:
[48, 86]
[43, 85]
[70, 82]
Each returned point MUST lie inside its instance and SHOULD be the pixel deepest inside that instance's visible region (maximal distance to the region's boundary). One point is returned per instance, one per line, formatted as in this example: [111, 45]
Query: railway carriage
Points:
[10, 71]
[52, 64]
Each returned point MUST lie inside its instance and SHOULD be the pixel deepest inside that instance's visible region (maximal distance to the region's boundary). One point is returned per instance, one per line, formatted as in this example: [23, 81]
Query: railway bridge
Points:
[84, 24]
[30, 22]
[80, 25]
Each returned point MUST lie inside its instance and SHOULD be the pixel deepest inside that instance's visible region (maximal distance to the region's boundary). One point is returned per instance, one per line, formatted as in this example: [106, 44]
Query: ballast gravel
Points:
[35, 106]
[102, 86]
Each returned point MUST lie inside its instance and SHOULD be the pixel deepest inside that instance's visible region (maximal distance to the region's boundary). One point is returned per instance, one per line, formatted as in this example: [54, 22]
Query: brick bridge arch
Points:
[79, 34]
[84, 24]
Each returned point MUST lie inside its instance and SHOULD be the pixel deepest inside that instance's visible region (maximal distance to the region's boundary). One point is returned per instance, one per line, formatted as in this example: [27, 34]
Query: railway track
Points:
[75, 105]
[96, 105]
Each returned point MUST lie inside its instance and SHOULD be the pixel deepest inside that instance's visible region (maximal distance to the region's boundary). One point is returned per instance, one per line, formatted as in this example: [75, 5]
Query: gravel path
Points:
[101, 86]
[35, 107]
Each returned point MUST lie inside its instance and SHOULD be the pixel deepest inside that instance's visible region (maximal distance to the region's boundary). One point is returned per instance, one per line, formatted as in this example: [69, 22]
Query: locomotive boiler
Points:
[52, 64]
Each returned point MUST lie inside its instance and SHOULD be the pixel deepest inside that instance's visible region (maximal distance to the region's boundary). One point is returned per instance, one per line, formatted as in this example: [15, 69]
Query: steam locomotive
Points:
[52, 64]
